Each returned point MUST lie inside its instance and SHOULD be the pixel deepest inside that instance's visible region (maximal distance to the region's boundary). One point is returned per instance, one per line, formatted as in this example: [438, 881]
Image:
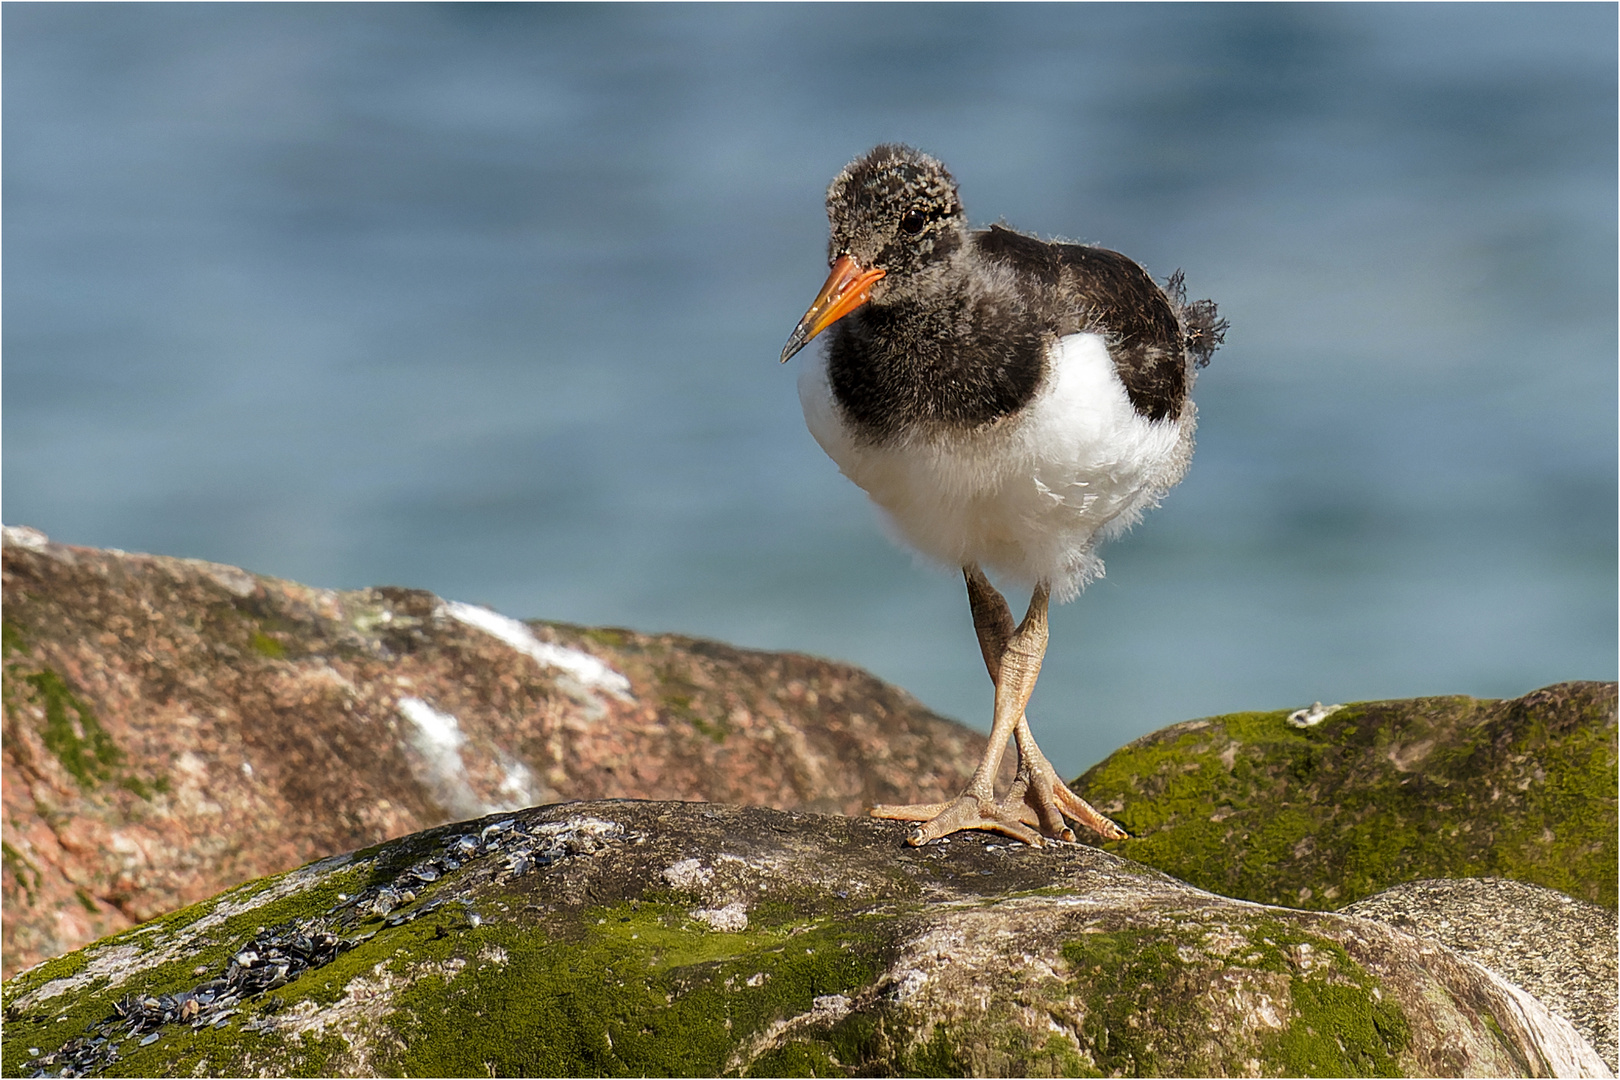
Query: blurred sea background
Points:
[487, 300]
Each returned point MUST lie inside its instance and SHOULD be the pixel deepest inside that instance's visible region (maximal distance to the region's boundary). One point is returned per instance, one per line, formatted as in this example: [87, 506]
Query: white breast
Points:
[1030, 495]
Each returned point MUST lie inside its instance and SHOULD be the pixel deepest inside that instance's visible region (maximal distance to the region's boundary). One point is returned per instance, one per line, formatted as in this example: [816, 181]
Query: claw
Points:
[1086, 814]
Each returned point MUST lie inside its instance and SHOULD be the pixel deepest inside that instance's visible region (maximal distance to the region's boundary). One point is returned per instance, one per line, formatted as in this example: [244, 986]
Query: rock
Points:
[173, 727]
[1556, 947]
[586, 939]
[1346, 802]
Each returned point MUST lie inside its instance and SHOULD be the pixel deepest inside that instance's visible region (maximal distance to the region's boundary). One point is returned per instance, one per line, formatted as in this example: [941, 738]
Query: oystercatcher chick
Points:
[1009, 403]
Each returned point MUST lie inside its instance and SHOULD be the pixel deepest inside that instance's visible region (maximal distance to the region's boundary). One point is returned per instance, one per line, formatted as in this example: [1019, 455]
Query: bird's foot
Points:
[1039, 798]
[968, 811]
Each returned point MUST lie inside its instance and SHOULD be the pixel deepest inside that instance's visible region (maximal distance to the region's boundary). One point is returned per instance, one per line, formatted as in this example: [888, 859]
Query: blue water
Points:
[488, 299]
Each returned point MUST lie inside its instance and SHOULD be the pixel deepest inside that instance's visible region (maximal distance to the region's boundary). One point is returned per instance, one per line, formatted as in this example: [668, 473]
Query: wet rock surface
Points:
[173, 727]
[588, 939]
[1560, 949]
[1341, 804]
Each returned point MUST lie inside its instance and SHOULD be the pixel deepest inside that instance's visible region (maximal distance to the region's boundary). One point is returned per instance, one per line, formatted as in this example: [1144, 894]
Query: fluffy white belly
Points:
[1030, 495]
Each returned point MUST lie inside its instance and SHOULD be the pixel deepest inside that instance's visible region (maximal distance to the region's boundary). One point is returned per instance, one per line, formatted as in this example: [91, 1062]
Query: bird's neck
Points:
[955, 351]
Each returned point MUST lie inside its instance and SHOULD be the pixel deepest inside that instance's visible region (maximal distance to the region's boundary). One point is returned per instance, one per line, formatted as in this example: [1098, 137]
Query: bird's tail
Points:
[1202, 327]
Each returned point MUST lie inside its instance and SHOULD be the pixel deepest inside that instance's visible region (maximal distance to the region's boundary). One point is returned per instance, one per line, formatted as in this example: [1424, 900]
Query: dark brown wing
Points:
[1092, 288]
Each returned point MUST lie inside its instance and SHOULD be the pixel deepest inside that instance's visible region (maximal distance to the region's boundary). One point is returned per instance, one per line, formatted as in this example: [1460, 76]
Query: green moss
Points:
[1057, 1057]
[12, 639]
[645, 992]
[854, 1040]
[1148, 1012]
[314, 898]
[1521, 1065]
[1339, 1031]
[57, 967]
[229, 1050]
[70, 730]
[1248, 806]
[267, 646]
[86, 902]
[135, 786]
[219, 1052]
[680, 707]
[799, 1058]
[51, 1023]
[997, 1044]
[641, 989]
[79, 742]
[25, 873]
[143, 790]
[605, 635]
[936, 1057]
[1140, 1021]
[209, 950]
[1565, 839]
[1343, 1025]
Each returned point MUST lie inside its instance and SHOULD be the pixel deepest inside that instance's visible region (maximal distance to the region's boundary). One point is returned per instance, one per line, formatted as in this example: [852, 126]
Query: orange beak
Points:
[847, 288]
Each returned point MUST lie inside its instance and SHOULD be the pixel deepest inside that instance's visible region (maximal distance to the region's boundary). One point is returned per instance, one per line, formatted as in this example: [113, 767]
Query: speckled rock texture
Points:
[612, 938]
[1556, 947]
[1375, 794]
[174, 727]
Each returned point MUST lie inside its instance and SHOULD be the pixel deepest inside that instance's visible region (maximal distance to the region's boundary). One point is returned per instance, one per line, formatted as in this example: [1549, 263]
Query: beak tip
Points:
[795, 342]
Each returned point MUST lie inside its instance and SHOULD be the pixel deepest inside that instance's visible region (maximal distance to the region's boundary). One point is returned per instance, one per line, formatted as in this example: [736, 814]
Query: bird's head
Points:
[896, 220]
[895, 209]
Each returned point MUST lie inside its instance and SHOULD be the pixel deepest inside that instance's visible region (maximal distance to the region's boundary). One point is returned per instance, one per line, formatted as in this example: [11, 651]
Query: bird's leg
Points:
[1045, 798]
[1018, 664]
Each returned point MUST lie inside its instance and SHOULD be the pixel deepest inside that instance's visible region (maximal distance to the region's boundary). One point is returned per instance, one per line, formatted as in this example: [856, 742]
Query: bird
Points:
[1008, 403]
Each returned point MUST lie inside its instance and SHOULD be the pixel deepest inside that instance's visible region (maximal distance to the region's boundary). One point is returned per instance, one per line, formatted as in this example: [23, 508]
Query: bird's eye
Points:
[914, 221]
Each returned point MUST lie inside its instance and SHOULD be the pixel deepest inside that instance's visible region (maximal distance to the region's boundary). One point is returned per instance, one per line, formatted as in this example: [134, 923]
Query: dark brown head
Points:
[896, 220]
[896, 209]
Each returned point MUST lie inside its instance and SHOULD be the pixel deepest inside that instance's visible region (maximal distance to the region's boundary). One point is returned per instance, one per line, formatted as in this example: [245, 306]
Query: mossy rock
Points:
[174, 727]
[1251, 805]
[615, 938]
